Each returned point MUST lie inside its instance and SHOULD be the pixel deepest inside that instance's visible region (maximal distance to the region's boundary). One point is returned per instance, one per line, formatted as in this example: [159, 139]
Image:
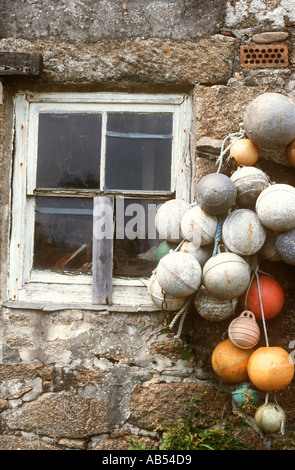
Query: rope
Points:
[255, 274]
[232, 138]
[217, 236]
[181, 315]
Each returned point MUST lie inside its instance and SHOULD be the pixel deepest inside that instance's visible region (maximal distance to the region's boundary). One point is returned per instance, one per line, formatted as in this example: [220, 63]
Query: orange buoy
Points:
[272, 297]
[270, 368]
[290, 152]
[230, 362]
[244, 152]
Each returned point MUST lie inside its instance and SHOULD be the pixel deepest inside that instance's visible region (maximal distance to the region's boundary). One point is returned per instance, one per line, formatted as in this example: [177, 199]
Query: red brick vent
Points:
[264, 56]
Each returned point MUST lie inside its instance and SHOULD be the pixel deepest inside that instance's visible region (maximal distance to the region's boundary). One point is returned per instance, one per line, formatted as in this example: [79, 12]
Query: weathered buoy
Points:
[198, 227]
[285, 246]
[269, 120]
[250, 182]
[290, 152]
[201, 253]
[243, 233]
[272, 297]
[230, 362]
[243, 331]
[270, 368]
[243, 394]
[270, 418]
[275, 207]
[164, 248]
[269, 250]
[244, 152]
[226, 275]
[168, 219]
[172, 303]
[211, 308]
[216, 193]
[179, 274]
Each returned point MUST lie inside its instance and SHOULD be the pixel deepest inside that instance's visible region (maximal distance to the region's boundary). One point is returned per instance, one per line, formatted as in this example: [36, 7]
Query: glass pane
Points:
[136, 238]
[63, 234]
[138, 151]
[69, 151]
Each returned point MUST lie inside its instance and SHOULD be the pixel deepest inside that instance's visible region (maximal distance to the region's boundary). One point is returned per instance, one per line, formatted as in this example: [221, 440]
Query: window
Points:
[73, 152]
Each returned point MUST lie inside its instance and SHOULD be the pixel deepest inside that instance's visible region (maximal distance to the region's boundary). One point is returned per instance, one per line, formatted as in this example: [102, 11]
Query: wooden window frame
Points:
[42, 288]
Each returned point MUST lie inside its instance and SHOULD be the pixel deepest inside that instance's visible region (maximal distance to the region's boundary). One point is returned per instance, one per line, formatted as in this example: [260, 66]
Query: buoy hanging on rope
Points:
[216, 193]
[269, 120]
[168, 219]
[244, 152]
[179, 274]
[230, 362]
[198, 227]
[290, 153]
[270, 368]
[269, 250]
[226, 275]
[250, 182]
[243, 233]
[243, 331]
[212, 309]
[272, 297]
[243, 394]
[285, 246]
[275, 207]
[164, 248]
[270, 418]
[172, 303]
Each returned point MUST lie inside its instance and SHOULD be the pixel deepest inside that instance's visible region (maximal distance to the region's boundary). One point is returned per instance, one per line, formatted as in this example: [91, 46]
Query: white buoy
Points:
[179, 274]
[275, 207]
[243, 233]
[199, 227]
[168, 219]
[211, 308]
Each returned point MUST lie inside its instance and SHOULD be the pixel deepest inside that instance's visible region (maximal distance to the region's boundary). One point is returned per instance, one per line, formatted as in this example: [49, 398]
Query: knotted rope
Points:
[224, 150]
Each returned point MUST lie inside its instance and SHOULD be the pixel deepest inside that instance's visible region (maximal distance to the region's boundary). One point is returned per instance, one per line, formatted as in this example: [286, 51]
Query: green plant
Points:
[185, 435]
[136, 444]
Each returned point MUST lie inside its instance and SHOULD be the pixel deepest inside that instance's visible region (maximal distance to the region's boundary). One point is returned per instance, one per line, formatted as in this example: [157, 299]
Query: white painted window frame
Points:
[35, 287]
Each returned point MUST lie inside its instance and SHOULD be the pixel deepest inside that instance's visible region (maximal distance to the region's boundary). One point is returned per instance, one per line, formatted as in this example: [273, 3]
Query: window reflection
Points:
[69, 151]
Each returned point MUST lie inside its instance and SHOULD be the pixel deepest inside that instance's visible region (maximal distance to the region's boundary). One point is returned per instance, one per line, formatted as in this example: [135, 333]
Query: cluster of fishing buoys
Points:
[209, 247]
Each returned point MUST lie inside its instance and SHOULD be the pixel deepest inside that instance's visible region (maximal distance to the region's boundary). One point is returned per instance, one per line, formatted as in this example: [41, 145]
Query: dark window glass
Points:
[69, 151]
[136, 238]
[63, 234]
[138, 151]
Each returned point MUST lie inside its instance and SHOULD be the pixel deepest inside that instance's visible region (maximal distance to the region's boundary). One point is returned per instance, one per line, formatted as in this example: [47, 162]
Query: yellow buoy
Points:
[270, 368]
[230, 362]
[244, 152]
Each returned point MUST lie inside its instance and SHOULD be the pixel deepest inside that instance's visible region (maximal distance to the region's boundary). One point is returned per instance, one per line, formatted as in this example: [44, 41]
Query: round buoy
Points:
[243, 331]
[199, 227]
[226, 275]
[270, 418]
[179, 274]
[275, 207]
[270, 368]
[243, 233]
[250, 182]
[244, 152]
[269, 120]
[290, 152]
[211, 308]
[245, 395]
[168, 219]
[272, 297]
[230, 362]
[216, 193]
[164, 248]
[285, 246]
[269, 250]
[172, 303]
[202, 253]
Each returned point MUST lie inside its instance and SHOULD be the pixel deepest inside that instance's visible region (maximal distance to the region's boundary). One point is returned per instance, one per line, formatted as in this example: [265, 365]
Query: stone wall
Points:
[84, 379]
